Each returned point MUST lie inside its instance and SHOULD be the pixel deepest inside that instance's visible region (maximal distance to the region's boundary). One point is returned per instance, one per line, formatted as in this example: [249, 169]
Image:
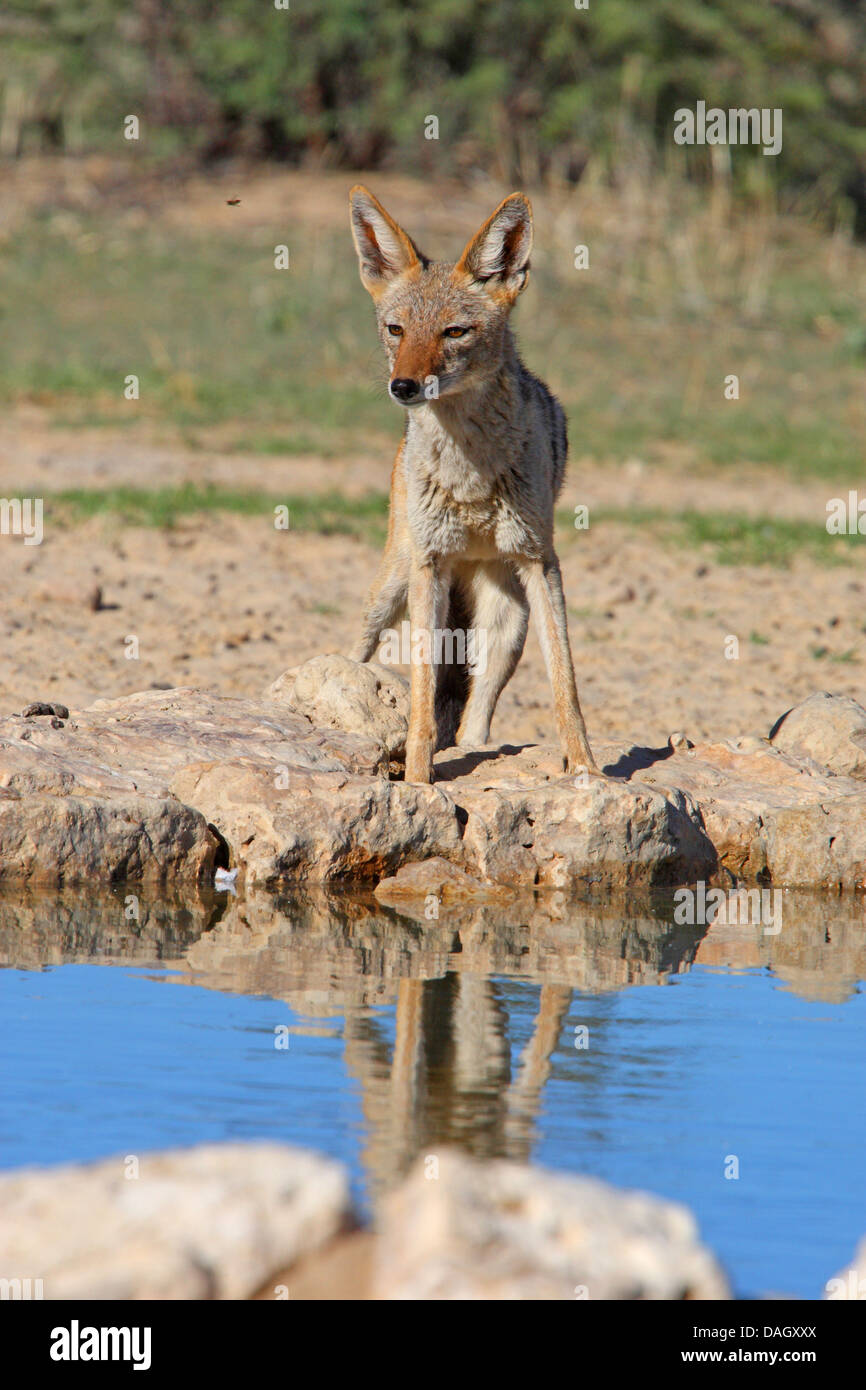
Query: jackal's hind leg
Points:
[500, 616]
[547, 602]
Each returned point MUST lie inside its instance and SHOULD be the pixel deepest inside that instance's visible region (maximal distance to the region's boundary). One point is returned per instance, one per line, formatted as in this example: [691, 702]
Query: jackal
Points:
[475, 480]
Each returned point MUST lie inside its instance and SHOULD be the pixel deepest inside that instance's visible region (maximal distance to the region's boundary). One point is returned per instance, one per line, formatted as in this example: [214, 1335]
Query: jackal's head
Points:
[443, 326]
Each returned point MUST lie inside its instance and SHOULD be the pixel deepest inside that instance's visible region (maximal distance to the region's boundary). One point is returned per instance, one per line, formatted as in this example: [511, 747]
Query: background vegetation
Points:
[525, 89]
[119, 257]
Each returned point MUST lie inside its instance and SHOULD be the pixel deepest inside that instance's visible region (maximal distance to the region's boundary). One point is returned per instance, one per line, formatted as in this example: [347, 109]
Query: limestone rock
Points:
[90, 800]
[318, 826]
[831, 729]
[413, 883]
[359, 698]
[210, 1222]
[551, 832]
[138, 742]
[167, 784]
[850, 1283]
[772, 817]
[502, 1230]
[50, 840]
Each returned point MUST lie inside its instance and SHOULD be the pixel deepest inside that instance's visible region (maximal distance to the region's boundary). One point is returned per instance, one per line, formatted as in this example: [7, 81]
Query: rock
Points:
[339, 1273]
[413, 883]
[830, 729]
[502, 1230]
[76, 594]
[502, 826]
[679, 740]
[317, 826]
[283, 688]
[850, 1283]
[199, 778]
[53, 839]
[208, 1222]
[39, 708]
[92, 800]
[772, 817]
[525, 826]
[360, 698]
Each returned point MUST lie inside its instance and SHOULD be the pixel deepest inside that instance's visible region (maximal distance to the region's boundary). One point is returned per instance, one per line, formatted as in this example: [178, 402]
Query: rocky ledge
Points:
[304, 785]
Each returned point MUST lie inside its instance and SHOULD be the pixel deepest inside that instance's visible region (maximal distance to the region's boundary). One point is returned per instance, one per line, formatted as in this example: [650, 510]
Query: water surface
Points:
[130, 1024]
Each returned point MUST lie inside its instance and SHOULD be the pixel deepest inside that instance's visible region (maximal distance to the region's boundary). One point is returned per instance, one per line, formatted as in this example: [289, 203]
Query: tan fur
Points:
[476, 476]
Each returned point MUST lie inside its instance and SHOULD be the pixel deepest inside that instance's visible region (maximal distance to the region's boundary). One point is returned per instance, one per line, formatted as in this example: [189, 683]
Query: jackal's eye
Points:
[455, 332]
[394, 329]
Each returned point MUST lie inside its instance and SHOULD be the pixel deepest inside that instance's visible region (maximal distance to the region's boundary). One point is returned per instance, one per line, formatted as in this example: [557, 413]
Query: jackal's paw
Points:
[419, 768]
[583, 770]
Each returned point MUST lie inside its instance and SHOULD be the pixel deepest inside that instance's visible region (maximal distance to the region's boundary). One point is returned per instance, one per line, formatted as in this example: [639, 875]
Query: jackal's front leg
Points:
[386, 602]
[547, 604]
[427, 601]
[388, 596]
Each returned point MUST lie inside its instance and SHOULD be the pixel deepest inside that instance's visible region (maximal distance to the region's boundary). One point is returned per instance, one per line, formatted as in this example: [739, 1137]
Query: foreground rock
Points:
[850, 1284]
[167, 785]
[210, 1222]
[230, 1221]
[499, 1230]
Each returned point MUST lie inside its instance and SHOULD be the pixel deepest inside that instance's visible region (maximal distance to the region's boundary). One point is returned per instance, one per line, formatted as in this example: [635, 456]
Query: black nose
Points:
[403, 388]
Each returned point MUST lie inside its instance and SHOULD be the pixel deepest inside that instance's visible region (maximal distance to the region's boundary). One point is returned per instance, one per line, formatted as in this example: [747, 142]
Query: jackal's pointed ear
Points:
[498, 255]
[384, 249]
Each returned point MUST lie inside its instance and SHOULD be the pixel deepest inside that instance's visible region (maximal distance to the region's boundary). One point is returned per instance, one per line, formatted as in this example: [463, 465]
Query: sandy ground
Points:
[227, 602]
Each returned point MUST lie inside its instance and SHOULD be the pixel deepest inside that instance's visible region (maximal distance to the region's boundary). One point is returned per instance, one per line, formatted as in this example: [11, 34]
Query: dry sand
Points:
[227, 603]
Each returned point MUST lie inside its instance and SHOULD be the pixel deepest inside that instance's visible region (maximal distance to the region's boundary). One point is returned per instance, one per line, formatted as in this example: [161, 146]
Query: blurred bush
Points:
[526, 89]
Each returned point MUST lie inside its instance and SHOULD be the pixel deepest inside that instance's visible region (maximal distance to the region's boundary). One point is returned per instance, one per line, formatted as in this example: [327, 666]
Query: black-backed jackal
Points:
[474, 483]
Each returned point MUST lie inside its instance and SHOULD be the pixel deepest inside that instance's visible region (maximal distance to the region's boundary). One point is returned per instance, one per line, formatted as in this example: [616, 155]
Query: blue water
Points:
[677, 1078]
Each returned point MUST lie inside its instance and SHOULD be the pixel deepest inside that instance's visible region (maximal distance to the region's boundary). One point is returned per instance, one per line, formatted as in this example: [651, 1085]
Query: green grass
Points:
[841, 658]
[214, 334]
[728, 538]
[733, 539]
[324, 513]
[287, 362]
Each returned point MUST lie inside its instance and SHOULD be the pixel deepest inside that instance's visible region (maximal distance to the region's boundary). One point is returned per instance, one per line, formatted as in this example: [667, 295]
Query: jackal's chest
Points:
[461, 506]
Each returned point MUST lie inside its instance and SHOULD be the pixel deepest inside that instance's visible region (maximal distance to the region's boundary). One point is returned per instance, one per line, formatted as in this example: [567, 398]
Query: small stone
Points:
[679, 740]
[40, 708]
